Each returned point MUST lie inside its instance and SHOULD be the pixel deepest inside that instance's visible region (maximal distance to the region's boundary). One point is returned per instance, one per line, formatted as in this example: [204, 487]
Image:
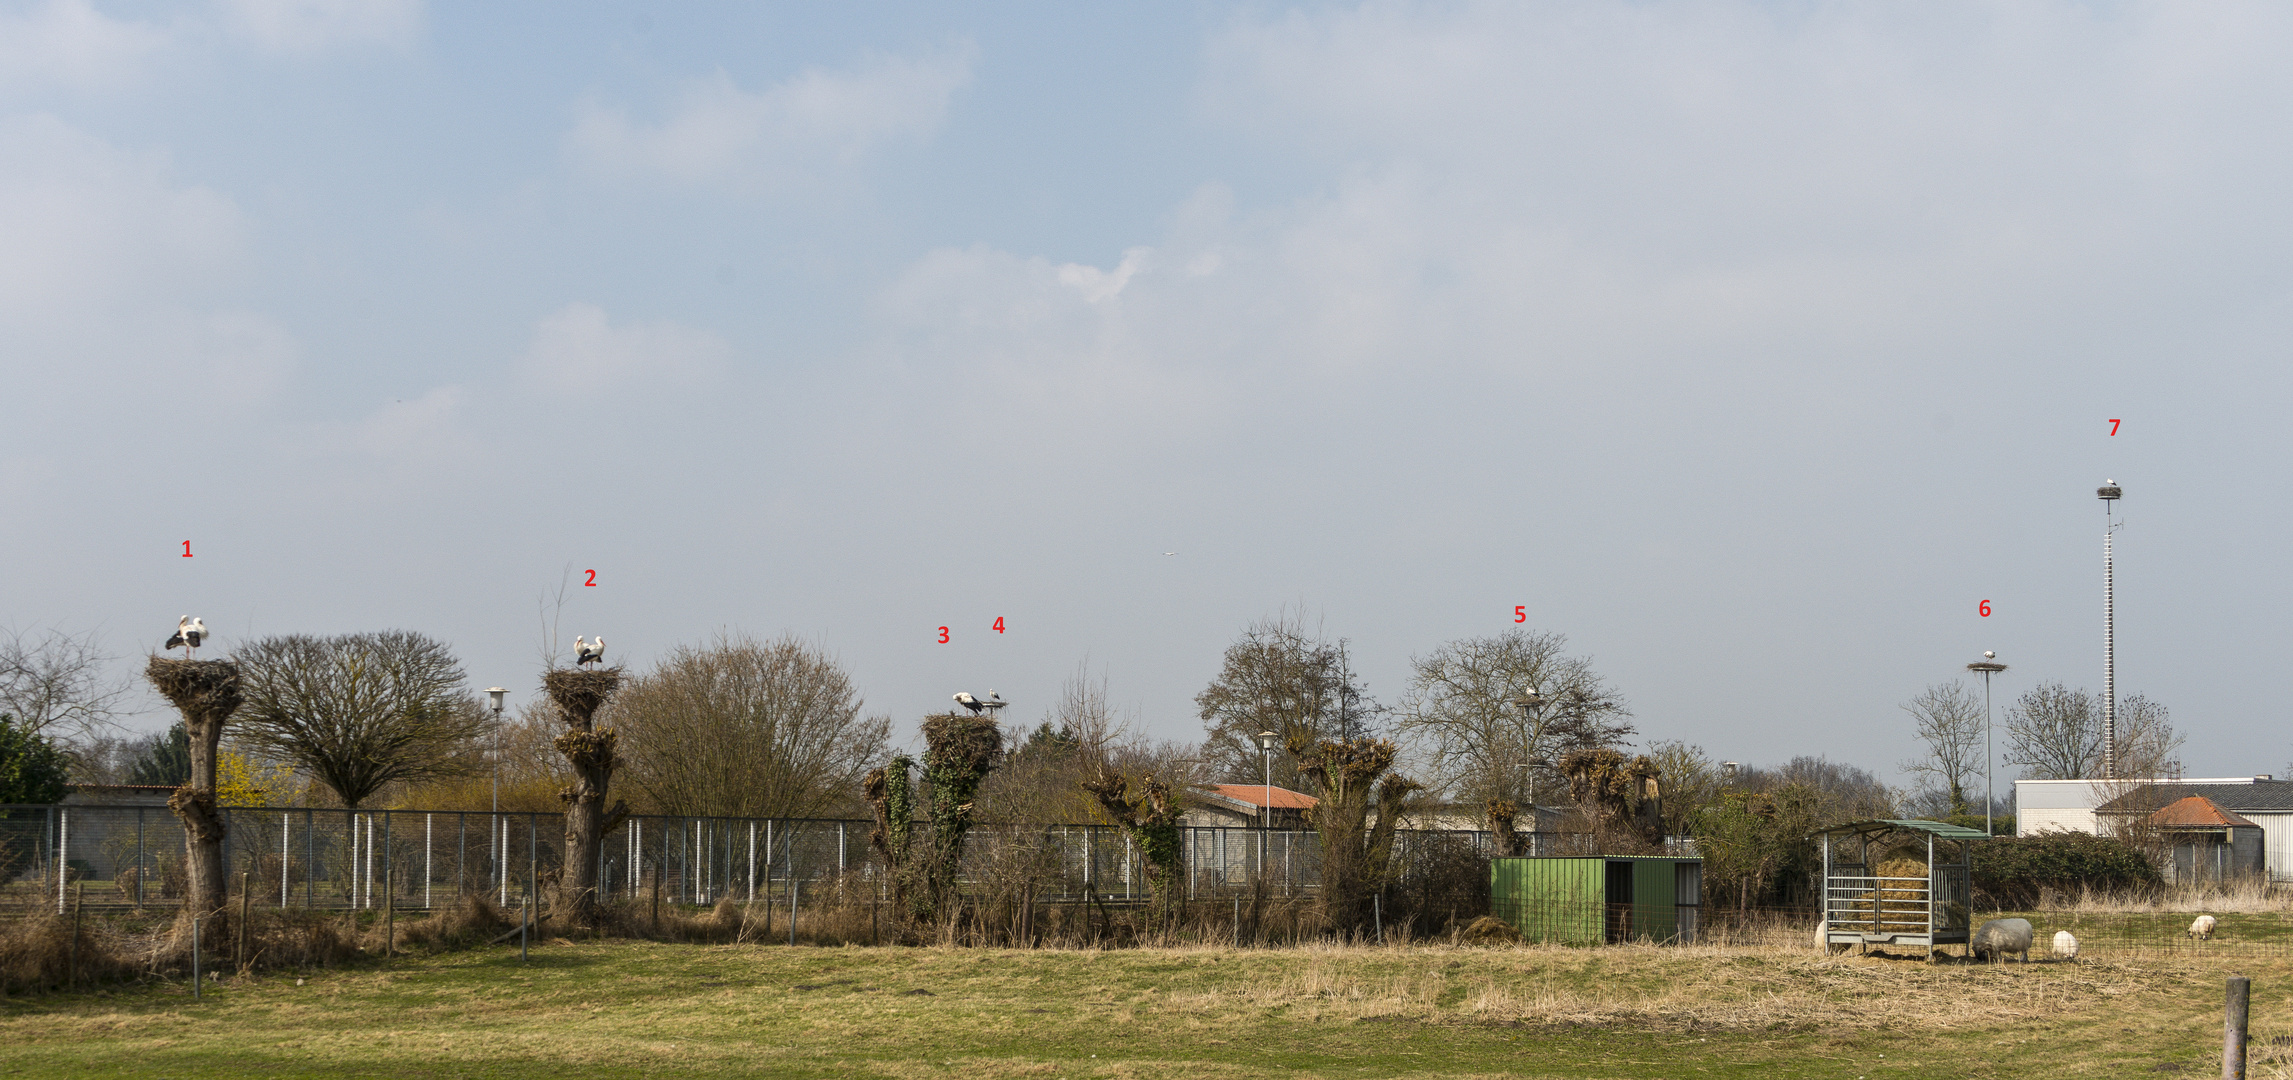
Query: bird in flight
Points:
[189, 632]
[586, 653]
[1170, 553]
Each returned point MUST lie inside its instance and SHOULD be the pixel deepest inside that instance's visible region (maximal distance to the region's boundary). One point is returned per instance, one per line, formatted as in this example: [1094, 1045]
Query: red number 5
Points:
[1520, 613]
[943, 635]
[1984, 607]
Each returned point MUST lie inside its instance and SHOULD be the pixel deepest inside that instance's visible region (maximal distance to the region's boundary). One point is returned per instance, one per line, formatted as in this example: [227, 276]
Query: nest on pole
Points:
[580, 692]
[205, 691]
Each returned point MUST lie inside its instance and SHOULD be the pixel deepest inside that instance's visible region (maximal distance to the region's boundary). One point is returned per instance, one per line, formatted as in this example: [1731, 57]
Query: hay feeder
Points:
[1901, 882]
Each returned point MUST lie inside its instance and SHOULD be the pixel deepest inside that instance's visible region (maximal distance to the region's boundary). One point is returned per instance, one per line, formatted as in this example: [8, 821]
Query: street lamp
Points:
[1989, 666]
[1728, 771]
[501, 865]
[1532, 706]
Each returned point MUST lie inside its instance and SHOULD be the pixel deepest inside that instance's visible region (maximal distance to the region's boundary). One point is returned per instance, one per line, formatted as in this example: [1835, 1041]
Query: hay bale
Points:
[1489, 930]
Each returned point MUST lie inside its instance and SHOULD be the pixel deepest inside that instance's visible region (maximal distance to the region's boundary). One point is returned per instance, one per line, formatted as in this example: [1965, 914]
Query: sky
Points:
[1752, 346]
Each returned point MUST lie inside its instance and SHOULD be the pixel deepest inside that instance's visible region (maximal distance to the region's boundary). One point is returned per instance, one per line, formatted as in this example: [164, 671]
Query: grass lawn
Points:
[589, 1009]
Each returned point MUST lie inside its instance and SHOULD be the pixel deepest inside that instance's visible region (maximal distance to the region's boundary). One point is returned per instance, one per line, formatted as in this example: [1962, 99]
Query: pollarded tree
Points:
[1359, 807]
[359, 711]
[207, 693]
[590, 750]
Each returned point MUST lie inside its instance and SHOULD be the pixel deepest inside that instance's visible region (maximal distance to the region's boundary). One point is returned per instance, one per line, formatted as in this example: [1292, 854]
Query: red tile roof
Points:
[1255, 795]
[2197, 811]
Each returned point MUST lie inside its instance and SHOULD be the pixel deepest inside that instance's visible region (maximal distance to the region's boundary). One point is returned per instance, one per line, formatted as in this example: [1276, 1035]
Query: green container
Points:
[1596, 899]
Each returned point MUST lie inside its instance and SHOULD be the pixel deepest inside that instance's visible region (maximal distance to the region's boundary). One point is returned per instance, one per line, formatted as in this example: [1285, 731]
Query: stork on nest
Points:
[585, 653]
[189, 632]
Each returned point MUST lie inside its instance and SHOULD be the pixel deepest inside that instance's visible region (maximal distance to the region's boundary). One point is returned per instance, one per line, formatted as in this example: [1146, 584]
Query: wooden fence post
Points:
[2235, 1010]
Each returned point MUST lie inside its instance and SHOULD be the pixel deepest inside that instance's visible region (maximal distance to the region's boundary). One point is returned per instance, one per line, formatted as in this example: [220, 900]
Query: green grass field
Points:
[634, 1009]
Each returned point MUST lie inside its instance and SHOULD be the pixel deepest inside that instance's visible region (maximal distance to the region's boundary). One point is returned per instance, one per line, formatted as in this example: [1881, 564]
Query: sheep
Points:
[2001, 936]
[2065, 945]
[1823, 935]
[2202, 929]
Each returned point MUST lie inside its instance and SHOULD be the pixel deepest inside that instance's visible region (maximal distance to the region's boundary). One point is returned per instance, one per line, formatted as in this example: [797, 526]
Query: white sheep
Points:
[1823, 935]
[2001, 936]
[2202, 928]
[2065, 945]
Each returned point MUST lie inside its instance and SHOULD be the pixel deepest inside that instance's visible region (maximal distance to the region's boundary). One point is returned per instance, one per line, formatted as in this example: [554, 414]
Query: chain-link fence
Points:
[334, 858]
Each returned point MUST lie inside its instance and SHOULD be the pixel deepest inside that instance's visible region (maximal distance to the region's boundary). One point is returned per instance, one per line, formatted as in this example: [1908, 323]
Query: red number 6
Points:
[1984, 607]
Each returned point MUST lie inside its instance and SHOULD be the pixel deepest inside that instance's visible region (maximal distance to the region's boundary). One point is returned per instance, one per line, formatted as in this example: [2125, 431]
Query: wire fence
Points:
[132, 856]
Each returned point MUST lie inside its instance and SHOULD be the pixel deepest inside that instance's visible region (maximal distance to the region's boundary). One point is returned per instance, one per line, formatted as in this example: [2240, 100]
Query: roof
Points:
[2268, 796]
[1943, 830]
[2196, 811]
[1256, 795]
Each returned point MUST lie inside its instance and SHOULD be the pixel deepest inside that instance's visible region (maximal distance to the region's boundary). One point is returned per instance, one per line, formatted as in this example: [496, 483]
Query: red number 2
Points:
[1520, 613]
[592, 582]
[1984, 608]
[943, 635]
[2113, 427]
[999, 624]
[187, 549]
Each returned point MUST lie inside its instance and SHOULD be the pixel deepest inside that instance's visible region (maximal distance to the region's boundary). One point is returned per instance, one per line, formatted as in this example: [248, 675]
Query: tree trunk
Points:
[206, 692]
[590, 750]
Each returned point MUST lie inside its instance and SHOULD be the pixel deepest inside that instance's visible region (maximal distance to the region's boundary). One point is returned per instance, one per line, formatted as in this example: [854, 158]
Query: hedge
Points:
[2010, 871]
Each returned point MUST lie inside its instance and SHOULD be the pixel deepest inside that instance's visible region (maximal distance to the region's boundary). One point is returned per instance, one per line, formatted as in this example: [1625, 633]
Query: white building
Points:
[2069, 805]
[2085, 806]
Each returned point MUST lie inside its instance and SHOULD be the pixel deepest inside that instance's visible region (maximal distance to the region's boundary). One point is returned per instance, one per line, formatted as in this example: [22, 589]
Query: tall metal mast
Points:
[2109, 493]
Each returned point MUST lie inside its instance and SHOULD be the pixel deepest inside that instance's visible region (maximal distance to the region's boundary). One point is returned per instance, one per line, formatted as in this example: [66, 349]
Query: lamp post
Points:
[1532, 706]
[1989, 666]
[2109, 493]
[495, 841]
[1266, 741]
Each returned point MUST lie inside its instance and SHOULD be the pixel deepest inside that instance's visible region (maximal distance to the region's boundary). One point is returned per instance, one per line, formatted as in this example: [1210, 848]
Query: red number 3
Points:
[1520, 613]
[1984, 608]
[943, 635]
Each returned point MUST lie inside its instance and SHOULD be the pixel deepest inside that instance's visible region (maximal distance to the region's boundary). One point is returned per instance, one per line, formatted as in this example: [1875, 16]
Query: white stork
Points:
[586, 653]
[994, 700]
[189, 632]
[969, 702]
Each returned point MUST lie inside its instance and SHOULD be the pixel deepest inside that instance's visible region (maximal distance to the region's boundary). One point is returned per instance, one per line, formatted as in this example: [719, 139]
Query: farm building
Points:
[2206, 842]
[1595, 899]
[1255, 806]
[1897, 882]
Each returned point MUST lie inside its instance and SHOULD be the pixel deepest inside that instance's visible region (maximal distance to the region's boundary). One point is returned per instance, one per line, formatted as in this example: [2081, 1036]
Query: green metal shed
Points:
[1592, 899]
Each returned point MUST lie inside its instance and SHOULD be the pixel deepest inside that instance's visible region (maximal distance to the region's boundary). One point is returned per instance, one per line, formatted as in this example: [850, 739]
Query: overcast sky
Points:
[1751, 346]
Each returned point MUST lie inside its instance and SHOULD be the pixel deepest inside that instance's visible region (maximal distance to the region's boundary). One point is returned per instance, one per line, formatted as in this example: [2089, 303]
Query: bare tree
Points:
[55, 684]
[1460, 701]
[359, 711]
[2055, 733]
[1950, 722]
[747, 728]
[1279, 677]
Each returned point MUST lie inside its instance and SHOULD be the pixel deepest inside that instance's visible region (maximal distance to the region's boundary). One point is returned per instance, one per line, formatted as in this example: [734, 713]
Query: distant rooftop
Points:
[2196, 811]
[1256, 795]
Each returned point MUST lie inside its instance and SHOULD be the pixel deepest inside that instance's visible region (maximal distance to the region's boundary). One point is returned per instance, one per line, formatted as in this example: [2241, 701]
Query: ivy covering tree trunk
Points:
[589, 749]
[1149, 817]
[206, 692]
[959, 753]
[893, 803]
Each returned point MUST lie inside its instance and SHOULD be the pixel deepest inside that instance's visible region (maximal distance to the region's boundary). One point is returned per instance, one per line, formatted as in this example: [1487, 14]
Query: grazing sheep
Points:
[1823, 935]
[2065, 945]
[2202, 928]
[2001, 936]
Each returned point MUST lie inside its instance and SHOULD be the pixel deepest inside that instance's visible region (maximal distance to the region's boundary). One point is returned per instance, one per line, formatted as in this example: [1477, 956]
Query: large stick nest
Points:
[579, 692]
[206, 691]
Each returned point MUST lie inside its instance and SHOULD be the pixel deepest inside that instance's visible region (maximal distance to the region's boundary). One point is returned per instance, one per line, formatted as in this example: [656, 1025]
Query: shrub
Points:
[2009, 872]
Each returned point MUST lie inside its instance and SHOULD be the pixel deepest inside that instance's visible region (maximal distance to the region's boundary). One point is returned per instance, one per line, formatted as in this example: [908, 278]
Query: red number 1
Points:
[943, 635]
[1984, 608]
[1520, 613]
[999, 624]
[2113, 427]
[592, 582]
[187, 549]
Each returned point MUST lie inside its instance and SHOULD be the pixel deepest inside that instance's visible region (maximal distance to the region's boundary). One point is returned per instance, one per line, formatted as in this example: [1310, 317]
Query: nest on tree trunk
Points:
[579, 692]
[206, 691]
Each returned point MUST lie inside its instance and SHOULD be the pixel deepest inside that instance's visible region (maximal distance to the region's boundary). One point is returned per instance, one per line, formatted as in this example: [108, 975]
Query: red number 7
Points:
[2113, 427]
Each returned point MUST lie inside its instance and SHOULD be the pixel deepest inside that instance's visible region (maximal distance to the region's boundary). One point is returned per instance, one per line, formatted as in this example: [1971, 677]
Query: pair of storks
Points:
[976, 705]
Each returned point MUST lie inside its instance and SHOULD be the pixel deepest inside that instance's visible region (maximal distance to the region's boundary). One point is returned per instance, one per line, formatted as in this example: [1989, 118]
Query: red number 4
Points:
[999, 624]
[1984, 608]
[1520, 613]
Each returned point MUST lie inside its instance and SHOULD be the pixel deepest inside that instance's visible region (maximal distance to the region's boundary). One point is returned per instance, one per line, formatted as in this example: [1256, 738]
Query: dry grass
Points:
[2247, 896]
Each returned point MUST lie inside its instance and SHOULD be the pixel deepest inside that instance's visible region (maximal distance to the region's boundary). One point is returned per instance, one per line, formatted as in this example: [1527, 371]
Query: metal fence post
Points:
[532, 860]
[427, 857]
[286, 855]
[141, 870]
[196, 980]
[63, 854]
